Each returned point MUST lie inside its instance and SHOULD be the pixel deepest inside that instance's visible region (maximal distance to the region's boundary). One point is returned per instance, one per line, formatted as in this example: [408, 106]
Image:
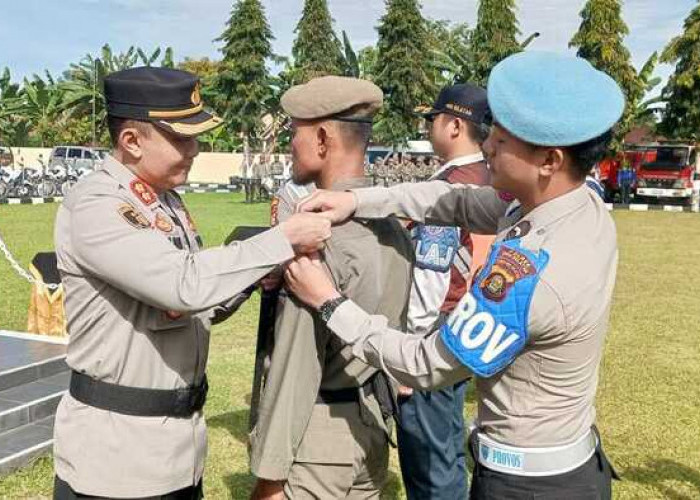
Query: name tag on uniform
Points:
[489, 326]
[436, 247]
[500, 458]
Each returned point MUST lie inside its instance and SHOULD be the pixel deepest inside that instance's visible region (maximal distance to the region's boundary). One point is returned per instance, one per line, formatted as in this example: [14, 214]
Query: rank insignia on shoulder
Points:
[190, 221]
[508, 267]
[274, 210]
[143, 192]
[133, 216]
[163, 223]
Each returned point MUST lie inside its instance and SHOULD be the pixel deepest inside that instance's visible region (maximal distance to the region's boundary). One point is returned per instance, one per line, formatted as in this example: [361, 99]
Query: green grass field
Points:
[649, 393]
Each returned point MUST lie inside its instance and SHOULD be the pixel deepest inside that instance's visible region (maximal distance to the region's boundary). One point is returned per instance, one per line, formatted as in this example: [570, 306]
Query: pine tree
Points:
[493, 39]
[316, 50]
[243, 78]
[600, 40]
[401, 70]
[681, 118]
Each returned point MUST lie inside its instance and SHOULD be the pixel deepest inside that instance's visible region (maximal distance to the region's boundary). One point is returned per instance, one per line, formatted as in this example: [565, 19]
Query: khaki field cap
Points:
[333, 98]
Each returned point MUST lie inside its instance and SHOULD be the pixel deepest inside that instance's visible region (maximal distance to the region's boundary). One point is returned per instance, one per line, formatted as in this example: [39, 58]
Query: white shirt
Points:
[429, 287]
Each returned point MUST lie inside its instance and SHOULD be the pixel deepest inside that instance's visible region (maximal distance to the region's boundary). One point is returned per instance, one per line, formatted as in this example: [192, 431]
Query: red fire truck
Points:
[666, 171]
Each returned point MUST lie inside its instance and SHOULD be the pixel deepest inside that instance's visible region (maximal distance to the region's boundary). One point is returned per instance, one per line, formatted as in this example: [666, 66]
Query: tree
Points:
[493, 39]
[600, 40]
[243, 80]
[646, 111]
[681, 118]
[42, 104]
[84, 81]
[14, 129]
[316, 50]
[401, 71]
[449, 52]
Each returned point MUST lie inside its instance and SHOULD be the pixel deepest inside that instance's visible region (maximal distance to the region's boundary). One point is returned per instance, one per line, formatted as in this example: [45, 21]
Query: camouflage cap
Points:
[333, 98]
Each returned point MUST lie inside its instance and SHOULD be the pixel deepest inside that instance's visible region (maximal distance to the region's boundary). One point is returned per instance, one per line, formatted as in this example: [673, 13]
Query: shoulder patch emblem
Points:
[143, 192]
[509, 267]
[133, 216]
[163, 223]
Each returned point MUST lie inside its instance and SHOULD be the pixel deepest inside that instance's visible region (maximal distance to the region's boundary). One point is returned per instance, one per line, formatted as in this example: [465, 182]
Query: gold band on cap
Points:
[183, 113]
[194, 129]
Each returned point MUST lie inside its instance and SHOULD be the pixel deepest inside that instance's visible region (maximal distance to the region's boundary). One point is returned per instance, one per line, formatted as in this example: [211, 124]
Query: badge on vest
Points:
[436, 247]
[489, 327]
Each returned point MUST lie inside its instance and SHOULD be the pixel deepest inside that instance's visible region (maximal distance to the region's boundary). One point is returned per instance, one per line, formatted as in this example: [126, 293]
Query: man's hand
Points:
[335, 206]
[268, 490]
[307, 280]
[306, 232]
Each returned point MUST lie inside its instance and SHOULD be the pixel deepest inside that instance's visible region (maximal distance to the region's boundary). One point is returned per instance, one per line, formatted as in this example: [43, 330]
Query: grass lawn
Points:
[649, 394]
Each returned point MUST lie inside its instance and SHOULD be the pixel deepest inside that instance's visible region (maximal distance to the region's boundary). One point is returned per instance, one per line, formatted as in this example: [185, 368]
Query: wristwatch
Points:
[328, 308]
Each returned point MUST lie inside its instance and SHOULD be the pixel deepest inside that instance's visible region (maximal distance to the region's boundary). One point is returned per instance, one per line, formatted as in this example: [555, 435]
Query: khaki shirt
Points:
[545, 397]
[371, 263]
[139, 299]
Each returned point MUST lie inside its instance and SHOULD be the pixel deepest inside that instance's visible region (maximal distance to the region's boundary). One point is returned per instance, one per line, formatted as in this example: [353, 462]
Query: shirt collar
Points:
[559, 207]
[459, 161]
[351, 183]
[127, 178]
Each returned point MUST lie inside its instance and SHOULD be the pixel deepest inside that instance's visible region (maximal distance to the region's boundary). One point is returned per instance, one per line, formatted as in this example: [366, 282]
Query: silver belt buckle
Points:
[535, 462]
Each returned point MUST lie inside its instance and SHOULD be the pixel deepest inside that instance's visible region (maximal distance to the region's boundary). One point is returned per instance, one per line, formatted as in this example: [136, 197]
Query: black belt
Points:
[349, 395]
[136, 401]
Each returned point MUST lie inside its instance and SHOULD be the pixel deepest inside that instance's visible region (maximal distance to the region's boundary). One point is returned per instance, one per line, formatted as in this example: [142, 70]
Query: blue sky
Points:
[49, 34]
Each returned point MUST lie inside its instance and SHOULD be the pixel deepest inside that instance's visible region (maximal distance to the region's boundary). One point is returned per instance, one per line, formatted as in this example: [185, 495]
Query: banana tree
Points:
[84, 81]
[42, 105]
[646, 111]
[13, 126]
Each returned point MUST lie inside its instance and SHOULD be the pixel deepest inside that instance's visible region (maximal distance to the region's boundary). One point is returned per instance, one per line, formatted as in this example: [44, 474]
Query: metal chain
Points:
[20, 270]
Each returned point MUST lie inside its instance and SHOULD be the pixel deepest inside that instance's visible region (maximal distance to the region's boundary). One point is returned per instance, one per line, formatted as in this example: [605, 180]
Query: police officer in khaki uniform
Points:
[322, 426]
[532, 327]
[141, 295]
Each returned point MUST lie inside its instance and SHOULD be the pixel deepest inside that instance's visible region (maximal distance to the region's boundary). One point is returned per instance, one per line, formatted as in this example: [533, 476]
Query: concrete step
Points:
[30, 402]
[21, 445]
[24, 360]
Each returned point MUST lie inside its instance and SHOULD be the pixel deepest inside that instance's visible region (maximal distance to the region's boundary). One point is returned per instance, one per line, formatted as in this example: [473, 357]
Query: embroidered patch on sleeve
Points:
[133, 216]
[163, 223]
[489, 327]
[143, 192]
[510, 266]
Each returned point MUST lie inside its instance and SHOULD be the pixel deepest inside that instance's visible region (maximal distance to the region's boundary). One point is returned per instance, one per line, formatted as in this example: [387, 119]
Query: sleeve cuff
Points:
[346, 321]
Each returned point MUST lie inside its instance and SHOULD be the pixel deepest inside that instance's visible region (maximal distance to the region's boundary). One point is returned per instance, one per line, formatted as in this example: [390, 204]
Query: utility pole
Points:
[94, 103]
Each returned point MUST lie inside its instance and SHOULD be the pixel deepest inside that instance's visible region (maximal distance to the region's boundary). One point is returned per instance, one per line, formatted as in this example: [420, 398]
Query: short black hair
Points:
[585, 155]
[356, 133]
[477, 132]
[115, 126]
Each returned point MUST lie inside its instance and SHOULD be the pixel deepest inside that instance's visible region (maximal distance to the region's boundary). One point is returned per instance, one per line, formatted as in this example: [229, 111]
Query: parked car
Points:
[76, 157]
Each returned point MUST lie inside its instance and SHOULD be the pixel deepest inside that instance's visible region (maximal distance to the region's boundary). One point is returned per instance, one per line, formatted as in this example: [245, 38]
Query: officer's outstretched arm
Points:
[421, 362]
[111, 240]
[436, 202]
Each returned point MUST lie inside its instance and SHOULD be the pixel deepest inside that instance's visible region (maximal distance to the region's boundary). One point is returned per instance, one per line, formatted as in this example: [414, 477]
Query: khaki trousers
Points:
[339, 457]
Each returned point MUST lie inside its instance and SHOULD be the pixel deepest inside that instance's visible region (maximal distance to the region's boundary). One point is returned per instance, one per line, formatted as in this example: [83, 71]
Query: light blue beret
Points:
[550, 99]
